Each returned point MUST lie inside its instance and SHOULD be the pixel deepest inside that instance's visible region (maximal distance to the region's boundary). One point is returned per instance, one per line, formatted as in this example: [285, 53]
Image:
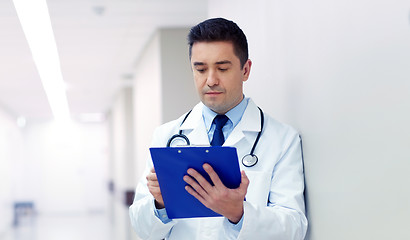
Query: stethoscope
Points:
[248, 160]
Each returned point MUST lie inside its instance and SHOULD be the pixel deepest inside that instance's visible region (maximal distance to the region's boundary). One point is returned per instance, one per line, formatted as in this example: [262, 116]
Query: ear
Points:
[247, 69]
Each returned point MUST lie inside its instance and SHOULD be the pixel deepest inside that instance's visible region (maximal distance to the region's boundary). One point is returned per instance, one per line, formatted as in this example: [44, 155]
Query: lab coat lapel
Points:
[249, 123]
[194, 127]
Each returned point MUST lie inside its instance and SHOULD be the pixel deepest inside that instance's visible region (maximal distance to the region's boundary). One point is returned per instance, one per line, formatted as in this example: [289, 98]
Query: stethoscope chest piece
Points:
[249, 160]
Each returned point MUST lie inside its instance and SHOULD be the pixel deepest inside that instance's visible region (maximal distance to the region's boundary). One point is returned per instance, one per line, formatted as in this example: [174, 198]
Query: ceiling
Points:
[99, 42]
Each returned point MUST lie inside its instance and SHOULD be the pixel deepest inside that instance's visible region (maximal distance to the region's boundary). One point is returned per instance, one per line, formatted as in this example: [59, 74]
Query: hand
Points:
[220, 199]
[153, 187]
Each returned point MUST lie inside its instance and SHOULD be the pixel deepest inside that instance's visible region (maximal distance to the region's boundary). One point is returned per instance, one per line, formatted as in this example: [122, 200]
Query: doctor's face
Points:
[218, 75]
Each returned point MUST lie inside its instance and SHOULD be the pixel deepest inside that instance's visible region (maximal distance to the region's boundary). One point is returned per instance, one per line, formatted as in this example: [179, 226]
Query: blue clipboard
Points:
[171, 165]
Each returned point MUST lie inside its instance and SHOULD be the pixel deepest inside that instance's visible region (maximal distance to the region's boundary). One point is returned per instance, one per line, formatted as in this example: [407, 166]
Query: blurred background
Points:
[71, 153]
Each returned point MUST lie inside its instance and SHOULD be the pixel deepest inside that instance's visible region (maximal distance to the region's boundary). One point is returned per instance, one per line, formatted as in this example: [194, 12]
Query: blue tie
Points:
[218, 138]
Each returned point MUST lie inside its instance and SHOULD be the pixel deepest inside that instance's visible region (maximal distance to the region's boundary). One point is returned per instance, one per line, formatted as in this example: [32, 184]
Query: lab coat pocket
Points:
[259, 186]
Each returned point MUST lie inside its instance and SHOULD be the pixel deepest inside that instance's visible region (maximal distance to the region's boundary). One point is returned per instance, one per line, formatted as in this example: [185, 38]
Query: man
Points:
[273, 187]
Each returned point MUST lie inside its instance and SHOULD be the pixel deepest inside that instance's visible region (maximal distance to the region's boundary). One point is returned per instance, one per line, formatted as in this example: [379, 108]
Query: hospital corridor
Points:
[84, 84]
[81, 227]
[69, 107]
[63, 189]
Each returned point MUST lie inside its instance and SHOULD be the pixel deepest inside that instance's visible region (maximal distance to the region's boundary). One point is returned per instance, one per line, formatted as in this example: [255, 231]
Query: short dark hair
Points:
[220, 29]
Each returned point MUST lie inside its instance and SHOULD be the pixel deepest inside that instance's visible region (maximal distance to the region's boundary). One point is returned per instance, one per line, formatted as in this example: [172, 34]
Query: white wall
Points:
[147, 102]
[178, 89]
[338, 72]
[122, 140]
[11, 143]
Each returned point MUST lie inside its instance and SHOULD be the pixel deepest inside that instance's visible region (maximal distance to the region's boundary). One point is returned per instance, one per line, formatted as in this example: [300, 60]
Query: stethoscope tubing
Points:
[180, 135]
[259, 133]
[245, 160]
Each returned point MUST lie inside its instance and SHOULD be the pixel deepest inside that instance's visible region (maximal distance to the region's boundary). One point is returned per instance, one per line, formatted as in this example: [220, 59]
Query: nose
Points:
[212, 78]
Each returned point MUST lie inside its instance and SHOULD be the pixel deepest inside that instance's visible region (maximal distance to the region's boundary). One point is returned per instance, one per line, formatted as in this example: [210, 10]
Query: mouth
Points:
[213, 93]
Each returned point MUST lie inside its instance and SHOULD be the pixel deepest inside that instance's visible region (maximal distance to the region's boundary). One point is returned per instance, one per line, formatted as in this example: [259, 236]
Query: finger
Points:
[200, 179]
[213, 175]
[152, 177]
[191, 191]
[153, 184]
[154, 190]
[194, 184]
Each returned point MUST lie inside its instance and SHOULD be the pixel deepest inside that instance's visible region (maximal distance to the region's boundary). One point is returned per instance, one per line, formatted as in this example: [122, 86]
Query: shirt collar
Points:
[234, 115]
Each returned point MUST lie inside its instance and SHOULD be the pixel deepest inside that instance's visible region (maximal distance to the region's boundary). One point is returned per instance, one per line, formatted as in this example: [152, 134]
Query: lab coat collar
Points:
[249, 123]
[194, 127]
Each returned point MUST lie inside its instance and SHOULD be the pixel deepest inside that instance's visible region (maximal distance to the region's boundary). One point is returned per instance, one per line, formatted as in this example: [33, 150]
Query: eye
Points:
[201, 70]
[223, 69]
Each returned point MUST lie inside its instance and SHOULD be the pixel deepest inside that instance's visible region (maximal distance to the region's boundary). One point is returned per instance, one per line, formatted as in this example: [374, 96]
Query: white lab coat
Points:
[274, 206]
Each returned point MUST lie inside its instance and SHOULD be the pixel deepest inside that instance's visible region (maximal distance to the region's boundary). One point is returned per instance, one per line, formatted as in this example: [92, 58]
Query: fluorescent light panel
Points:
[92, 117]
[36, 24]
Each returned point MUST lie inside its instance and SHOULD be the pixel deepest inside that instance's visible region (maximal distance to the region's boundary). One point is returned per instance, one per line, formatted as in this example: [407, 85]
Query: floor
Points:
[71, 227]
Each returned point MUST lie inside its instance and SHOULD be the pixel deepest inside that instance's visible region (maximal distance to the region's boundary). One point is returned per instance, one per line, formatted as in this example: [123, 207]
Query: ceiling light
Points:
[36, 24]
[99, 10]
[92, 117]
